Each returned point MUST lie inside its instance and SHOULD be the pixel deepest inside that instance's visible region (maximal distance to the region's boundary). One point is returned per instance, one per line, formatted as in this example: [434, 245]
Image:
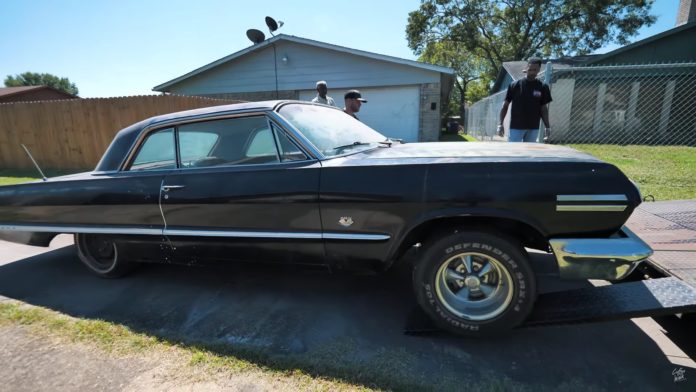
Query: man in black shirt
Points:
[530, 98]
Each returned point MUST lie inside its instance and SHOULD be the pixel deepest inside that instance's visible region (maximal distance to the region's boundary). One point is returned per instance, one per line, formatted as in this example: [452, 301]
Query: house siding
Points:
[256, 95]
[678, 47]
[304, 66]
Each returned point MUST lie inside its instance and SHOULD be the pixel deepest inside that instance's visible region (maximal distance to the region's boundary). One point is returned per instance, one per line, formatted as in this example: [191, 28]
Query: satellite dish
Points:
[272, 24]
[255, 36]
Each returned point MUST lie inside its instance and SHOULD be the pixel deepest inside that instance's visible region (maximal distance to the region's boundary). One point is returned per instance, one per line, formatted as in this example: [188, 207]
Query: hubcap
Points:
[472, 282]
[474, 286]
[101, 250]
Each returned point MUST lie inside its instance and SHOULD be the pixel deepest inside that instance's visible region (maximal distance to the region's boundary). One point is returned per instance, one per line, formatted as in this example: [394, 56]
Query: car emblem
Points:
[345, 221]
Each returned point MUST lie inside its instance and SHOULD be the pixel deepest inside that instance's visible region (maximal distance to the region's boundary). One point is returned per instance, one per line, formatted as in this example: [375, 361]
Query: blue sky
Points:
[126, 47]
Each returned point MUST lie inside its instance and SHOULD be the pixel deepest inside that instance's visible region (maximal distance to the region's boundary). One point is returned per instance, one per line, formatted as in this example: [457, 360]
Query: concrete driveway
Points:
[310, 318]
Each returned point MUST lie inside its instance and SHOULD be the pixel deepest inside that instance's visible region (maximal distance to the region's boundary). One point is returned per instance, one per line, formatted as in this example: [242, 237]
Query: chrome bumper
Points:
[600, 258]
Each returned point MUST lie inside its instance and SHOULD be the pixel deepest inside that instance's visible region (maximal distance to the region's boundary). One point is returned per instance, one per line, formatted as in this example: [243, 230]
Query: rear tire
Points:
[100, 254]
[475, 283]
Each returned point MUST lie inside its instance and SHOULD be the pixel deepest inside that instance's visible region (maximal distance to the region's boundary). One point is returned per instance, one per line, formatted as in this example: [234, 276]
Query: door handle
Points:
[168, 188]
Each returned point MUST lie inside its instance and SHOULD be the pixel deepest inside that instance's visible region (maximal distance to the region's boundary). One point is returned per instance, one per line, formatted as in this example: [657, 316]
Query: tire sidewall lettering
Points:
[516, 310]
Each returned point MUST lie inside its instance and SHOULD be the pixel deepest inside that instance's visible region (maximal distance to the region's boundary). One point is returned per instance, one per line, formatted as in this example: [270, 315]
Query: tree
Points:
[507, 30]
[467, 66]
[44, 79]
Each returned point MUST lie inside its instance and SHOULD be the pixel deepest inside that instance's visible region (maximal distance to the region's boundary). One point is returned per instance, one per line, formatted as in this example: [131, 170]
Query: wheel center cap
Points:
[472, 282]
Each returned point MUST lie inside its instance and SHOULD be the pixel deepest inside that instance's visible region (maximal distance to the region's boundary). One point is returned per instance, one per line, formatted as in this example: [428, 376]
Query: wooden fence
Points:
[73, 134]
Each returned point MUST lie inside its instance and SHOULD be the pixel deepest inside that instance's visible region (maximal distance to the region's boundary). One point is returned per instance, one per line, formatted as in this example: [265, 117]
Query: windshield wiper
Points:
[352, 145]
[389, 141]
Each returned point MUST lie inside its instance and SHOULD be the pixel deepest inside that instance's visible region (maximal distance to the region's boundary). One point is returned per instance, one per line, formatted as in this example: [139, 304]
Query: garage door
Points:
[393, 111]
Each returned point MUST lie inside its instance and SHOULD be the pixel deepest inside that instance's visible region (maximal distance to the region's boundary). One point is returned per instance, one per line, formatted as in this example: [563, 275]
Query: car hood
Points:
[474, 151]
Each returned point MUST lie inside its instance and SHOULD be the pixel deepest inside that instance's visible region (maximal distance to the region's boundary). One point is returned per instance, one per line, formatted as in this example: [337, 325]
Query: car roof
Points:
[262, 105]
[125, 138]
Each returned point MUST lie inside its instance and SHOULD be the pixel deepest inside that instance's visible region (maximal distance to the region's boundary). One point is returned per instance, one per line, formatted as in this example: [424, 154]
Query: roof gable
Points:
[303, 41]
[647, 41]
[19, 90]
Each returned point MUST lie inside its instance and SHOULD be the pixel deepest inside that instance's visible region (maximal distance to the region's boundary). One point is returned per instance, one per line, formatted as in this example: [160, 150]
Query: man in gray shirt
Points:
[321, 94]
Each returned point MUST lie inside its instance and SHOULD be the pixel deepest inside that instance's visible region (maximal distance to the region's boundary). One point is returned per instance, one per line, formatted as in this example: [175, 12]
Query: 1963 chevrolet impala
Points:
[294, 182]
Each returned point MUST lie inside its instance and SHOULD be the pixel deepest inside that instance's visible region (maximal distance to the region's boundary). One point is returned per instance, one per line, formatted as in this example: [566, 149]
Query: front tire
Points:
[475, 283]
[100, 254]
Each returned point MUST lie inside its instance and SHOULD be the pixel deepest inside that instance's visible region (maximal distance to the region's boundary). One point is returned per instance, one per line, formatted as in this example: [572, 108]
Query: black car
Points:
[295, 182]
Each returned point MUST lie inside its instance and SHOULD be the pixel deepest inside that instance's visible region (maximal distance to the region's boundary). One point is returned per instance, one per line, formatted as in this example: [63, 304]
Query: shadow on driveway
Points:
[338, 326]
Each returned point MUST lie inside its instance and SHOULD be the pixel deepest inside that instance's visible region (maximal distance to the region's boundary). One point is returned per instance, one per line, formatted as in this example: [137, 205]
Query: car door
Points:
[130, 200]
[243, 191]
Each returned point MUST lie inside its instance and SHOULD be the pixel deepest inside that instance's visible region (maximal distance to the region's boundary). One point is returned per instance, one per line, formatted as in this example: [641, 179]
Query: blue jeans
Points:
[524, 135]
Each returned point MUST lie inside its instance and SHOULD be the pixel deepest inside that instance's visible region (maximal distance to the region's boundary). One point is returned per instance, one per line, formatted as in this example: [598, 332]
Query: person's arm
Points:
[545, 119]
[545, 116]
[503, 113]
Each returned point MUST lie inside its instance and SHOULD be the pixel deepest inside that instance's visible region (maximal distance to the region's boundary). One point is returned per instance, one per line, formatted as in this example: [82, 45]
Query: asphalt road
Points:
[309, 315]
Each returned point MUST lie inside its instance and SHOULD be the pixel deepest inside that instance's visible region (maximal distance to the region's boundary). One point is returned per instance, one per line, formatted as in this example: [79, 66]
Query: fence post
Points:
[548, 73]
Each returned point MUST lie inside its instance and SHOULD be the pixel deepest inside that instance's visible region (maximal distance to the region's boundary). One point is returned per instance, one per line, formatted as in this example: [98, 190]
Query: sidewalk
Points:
[669, 227]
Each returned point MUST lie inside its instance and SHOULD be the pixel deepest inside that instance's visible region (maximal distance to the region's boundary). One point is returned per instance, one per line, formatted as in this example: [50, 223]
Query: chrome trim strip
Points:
[358, 237]
[591, 207]
[240, 234]
[591, 198]
[279, 235]
[77, 229]
[197, 233]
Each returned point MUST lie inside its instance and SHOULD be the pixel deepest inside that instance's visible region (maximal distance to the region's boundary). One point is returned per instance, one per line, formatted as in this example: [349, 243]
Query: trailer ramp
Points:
[646, 298]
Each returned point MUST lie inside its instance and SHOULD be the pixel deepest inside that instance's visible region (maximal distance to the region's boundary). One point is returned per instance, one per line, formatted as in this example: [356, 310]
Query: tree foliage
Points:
[44, 79]
[467, 67]
[507, 30]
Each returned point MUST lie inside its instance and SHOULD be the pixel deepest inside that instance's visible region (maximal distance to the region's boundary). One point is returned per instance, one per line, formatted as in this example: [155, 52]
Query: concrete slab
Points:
[669, 227]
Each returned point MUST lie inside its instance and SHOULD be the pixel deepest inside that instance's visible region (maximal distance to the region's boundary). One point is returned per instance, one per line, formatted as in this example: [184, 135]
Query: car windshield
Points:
[331, 131]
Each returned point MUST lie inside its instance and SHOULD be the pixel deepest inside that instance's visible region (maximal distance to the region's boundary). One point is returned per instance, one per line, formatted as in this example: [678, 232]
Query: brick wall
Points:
[429, 127]
[687, 12]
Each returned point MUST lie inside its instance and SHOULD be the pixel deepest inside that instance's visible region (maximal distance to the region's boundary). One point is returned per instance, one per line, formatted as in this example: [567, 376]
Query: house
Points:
[672, 46]
[641, 93]
[32, 93]
[404, 96]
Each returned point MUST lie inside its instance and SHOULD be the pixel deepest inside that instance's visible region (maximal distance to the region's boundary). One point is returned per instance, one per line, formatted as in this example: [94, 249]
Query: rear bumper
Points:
[600, 258]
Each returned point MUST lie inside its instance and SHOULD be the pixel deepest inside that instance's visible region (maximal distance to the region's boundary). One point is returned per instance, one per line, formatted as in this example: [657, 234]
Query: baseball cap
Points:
[354, 94]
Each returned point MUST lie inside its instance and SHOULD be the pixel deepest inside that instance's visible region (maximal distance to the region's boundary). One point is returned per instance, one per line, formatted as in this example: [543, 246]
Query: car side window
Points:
[287, 149]
[261, 143]
[195, 145]
[157, 152]
[235, 141]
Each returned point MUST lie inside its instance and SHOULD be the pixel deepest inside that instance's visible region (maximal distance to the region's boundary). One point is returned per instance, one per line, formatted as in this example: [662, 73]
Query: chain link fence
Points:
[610, 105]
[641, 118]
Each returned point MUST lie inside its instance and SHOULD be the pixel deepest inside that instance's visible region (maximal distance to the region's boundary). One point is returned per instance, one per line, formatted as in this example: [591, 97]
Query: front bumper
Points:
[600, 258]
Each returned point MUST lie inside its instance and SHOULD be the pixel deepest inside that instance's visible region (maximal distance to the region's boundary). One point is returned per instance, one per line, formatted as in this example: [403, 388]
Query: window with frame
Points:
[157, 152]
[234, 141]
[287, 150]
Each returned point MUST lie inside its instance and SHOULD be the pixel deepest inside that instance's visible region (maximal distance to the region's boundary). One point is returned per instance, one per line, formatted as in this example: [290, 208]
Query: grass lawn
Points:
[665, 172]
[460, 137]
[18, 176]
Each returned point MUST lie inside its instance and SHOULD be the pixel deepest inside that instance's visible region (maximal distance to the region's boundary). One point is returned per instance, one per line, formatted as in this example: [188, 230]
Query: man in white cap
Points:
[321, 94]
